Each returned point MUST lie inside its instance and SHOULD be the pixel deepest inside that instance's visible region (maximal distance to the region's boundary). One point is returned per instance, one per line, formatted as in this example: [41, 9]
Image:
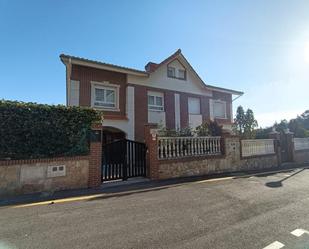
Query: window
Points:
[181, 74]
[155, 101]
[105, 96]
[74, 93]
[171, 72]
[219, 109]
[194, 106]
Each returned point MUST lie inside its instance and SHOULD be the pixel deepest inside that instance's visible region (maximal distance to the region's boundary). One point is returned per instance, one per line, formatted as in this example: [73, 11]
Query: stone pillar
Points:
[290, 144]
[150, 131]
[95, 157]
[276, 136]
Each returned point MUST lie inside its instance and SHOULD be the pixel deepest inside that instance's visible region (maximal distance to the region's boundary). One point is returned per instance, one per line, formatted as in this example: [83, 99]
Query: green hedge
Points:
[30, 130]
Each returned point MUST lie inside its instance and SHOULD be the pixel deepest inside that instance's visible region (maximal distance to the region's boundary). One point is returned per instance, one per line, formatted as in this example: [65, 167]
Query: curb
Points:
[181, 182]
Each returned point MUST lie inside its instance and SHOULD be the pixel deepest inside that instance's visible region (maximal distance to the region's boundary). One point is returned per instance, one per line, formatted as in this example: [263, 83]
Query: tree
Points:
[240, 120]
[210, 128]
[245, 123]
[299, 126]
[263, 133]
[250, 124]
[282, 126]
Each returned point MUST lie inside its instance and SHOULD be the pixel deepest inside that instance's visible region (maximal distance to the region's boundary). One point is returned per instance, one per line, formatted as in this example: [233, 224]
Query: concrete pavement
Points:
[247, 212]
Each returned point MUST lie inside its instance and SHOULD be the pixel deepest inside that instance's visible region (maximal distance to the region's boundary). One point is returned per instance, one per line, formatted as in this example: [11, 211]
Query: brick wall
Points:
[95, 165]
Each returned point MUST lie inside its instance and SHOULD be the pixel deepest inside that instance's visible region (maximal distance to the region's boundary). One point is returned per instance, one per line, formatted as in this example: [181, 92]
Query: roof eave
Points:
[225, 90]
[101, 65]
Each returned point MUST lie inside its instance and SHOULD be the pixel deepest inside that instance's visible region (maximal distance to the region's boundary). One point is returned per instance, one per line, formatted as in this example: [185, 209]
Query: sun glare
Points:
[306, 55]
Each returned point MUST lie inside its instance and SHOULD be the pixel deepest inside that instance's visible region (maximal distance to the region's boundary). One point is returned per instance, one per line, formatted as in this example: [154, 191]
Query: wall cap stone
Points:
[42, 160]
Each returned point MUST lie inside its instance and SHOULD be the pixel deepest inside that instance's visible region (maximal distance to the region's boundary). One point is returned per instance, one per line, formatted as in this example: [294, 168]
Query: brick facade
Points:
[184, 112]
[169, 107]
[87, 74]
[141, 111]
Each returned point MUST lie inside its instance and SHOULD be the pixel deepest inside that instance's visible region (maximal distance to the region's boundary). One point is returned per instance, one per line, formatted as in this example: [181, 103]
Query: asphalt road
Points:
[252, 212]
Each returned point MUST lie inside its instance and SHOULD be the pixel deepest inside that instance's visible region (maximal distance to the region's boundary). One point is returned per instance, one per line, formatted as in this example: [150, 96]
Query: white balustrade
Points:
[301, 143]
[177, 147]
[256, 147]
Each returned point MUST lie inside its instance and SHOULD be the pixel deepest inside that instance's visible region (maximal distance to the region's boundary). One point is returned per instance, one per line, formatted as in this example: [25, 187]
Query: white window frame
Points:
[194, 99]
[213, 106]
[106, 86]
[154, 107]
[174, 70]
[184, 74]
[74, 86]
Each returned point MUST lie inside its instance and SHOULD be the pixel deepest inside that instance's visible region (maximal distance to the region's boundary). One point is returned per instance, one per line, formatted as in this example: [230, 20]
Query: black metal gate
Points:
[123, 159]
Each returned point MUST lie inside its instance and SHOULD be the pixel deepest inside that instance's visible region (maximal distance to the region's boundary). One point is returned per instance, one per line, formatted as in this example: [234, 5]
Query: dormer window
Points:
[181, 74]
[176, 70]
[171, 72]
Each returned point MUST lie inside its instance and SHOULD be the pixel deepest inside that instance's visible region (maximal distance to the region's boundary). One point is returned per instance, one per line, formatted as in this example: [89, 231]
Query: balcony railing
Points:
[177, 147]
[256, 147]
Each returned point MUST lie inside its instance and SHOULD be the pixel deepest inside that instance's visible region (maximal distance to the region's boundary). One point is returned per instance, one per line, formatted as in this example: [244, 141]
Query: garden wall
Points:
[301, 156]
[203, 165]
[39, 175]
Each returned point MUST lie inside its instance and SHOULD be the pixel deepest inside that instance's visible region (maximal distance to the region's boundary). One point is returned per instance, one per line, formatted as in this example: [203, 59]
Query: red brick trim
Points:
[95, 160]
[42, 160]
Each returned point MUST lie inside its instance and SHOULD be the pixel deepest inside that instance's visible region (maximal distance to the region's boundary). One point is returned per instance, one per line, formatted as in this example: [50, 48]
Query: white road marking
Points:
[274, 245]
[299, 232]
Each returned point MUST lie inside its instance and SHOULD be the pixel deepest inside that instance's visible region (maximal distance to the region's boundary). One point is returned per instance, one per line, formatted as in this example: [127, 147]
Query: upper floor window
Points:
[74, 93]
[171, 72]
[105, 96]
[194, 106]
[219, 109]
[155, 101]
[181, 74]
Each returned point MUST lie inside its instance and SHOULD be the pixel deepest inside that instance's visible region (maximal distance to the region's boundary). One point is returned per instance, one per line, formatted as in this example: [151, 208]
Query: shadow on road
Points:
[278, 184]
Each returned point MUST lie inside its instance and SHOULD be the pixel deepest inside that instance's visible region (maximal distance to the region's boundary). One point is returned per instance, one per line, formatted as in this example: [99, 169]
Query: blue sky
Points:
[260, 47]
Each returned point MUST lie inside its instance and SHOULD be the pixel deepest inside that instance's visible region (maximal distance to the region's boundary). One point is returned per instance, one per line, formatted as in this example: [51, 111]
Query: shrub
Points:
[30, 130]
[210, 128]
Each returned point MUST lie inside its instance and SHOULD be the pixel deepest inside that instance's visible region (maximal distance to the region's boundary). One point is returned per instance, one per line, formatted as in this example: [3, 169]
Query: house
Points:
[169, 93]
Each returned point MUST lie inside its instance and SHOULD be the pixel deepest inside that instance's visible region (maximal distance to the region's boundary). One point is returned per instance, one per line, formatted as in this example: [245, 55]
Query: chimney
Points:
[150, 67]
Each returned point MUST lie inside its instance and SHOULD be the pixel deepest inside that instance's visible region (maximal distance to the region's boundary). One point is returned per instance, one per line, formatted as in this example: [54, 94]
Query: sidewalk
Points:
[119, 188]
